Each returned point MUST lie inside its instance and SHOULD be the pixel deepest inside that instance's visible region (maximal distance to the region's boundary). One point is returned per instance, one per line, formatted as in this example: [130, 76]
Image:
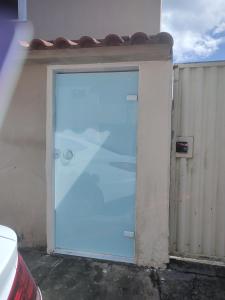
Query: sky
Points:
[198, 29]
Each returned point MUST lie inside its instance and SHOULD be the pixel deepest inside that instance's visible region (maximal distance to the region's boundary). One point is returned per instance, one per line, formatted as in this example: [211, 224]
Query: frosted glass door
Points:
[95, 163]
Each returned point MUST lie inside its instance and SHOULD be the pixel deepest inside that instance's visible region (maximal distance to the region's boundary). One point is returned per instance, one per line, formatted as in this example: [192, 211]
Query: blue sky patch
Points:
[198, 29]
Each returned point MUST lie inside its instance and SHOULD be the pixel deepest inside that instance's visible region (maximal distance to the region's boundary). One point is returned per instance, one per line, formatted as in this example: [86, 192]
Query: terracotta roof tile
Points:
[87, 41]
[138, 38]
[62, 42]
[165, 38]
[113, 40]
[38, 44]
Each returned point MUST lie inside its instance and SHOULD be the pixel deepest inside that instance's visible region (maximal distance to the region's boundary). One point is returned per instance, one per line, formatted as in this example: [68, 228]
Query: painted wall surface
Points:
[97, 18]
[22, 159]
[153, 163]
[198, 199]
[23, 181]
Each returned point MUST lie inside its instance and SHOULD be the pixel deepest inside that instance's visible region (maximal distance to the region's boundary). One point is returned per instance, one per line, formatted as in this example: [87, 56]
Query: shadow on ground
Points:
[68, 278]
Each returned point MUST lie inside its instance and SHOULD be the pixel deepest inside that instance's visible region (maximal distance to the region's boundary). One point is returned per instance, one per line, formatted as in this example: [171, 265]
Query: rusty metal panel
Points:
[197, 208]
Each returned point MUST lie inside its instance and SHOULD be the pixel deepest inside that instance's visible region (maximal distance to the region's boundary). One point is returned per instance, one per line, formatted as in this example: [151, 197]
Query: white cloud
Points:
[219, 28]
[197, 27]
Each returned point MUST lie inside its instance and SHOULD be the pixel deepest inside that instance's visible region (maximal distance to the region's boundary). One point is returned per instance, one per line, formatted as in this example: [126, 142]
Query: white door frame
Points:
[51, 71]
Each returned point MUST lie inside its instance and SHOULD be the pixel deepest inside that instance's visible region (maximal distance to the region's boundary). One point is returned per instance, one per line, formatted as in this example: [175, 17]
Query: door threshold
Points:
[108, 257]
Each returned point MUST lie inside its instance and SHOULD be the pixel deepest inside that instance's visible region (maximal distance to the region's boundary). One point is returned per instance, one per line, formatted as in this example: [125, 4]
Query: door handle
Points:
[68, 154]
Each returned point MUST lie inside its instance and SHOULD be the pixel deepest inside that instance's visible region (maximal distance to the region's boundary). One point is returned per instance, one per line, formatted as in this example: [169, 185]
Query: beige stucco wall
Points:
[22, 159]
[72, 19]
[153, 163]
[23, 148]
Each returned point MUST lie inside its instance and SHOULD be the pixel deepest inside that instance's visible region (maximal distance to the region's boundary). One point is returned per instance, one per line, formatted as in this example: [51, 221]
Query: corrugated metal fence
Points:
[197, 207]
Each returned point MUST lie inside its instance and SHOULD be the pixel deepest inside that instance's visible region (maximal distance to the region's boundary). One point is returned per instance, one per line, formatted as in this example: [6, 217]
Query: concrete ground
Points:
[68, 278]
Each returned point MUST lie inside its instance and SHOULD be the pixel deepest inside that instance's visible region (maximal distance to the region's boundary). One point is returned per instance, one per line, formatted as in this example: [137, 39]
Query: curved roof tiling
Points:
[138, 38]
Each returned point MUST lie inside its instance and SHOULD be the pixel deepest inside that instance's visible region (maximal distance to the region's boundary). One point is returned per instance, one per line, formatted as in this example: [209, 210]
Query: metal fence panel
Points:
[197, 208]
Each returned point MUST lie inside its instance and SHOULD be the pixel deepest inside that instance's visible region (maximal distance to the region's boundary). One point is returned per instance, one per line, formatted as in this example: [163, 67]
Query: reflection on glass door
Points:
[95, 163]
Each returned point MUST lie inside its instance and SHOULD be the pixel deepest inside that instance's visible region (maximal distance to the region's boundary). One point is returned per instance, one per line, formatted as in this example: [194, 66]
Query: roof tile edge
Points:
[138, 38]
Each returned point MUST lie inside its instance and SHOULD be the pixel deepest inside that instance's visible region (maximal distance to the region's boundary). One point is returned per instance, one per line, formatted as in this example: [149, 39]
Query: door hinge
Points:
[132, 98]
[129, 234]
